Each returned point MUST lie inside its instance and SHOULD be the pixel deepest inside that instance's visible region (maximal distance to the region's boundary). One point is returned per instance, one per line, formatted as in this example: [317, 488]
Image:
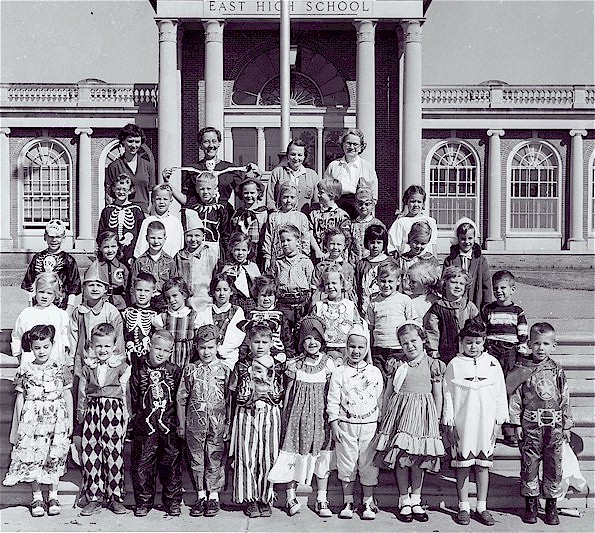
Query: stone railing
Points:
[508, 96]
[83, 94]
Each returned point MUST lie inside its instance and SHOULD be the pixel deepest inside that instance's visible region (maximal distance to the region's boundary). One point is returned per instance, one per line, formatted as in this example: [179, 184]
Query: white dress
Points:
[398, 234]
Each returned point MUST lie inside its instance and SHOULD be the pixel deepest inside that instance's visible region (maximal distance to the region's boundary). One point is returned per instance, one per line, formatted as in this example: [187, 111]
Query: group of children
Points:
[283, 345]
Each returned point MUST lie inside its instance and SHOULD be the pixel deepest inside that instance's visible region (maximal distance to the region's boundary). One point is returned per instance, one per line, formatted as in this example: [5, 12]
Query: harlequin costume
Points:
[156, 448]
[102, 407]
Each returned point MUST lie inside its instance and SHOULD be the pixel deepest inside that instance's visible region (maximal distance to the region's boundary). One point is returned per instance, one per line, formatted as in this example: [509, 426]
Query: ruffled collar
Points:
[180, 313]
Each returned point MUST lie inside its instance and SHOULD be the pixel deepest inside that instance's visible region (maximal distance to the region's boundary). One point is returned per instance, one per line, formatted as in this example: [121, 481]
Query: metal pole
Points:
[284, 72]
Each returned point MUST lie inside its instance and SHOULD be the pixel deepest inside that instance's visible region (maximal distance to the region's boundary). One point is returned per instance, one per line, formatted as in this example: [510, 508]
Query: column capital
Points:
[412, 30]
[497, 133]
[213, 30]
[365, 30]
[83, 131]
[5, 131]
[581, 133]
[168, 30]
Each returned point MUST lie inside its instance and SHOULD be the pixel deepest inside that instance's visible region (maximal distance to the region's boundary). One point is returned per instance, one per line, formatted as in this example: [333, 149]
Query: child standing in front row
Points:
[466, 253]
[387, 311]
[540, 410]
[409, 436]
[43, 421]
[353, 405]
[102, 410]
[257, 387]
[204, 414]
[447, 316]
[306, 449]
[475, 406]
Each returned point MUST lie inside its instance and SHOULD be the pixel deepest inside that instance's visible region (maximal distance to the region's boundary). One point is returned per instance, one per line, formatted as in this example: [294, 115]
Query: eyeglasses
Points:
[347, 143]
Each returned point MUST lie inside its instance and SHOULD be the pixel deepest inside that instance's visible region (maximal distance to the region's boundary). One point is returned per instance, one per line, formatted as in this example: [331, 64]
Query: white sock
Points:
[404, 500]
[290, 494]
[370, 500]
[321, 496]
[464, 506]
[415, 499]
[53, 494]
[214, 496]
[348, 498]
[37, 495]
[202, 494]
[481, 506]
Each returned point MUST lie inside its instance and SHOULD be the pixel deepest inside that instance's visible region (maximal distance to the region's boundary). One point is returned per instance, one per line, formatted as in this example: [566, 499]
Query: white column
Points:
[284, 73]
[261, 149]
[494, 240]
[412, 104]
[227, 144]
[320, 151]
[6, 197]
[169, 112]
[577, 211]
[85, 190]
[214, 73]
[366, 85]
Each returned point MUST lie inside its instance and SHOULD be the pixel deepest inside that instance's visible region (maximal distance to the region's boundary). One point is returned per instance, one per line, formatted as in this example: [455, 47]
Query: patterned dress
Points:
[306, 448]
[409, 433]
[181, 324]
[41, 442]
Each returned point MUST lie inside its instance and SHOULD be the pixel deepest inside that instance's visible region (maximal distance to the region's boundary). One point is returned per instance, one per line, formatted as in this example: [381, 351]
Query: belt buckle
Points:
[546, 418]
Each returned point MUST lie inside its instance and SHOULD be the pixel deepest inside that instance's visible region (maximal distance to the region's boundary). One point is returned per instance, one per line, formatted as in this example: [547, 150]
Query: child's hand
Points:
[80, 416]
[519, 432]
[181, 432]
[226, 434]
[335, 431]
[68, 426]
[566, 434]
[495, 432]
[391, 365]
[166, 174]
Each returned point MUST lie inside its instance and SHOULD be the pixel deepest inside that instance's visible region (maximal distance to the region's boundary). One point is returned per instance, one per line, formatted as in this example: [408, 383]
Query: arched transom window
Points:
[453, 184]
[534, 188]
[46, 170]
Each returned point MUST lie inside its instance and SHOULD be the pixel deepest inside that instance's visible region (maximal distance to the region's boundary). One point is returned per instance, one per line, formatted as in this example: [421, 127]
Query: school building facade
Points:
[518, 160]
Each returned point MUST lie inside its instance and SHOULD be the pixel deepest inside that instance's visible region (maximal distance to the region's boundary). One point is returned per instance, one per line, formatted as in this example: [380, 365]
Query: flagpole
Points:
[284, 74]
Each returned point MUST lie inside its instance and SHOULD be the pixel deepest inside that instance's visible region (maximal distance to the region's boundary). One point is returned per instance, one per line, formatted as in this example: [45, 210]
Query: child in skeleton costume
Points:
[122, 217]
[115, 272]
[225, 316]
[540, 409]
[138, 318]
[156, 446]
[242, 269]
[53, 259]
[179, 320]
[257, 387]
[102, 409]
[196, 263]
[204, 412]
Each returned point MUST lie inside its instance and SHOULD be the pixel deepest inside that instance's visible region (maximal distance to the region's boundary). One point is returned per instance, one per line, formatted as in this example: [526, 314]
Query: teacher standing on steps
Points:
[140, 170]
[353, 171]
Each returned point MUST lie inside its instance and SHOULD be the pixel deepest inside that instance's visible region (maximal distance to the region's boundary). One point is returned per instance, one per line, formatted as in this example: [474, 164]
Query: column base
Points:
[495, 244]
[6, 245]
[577, 245]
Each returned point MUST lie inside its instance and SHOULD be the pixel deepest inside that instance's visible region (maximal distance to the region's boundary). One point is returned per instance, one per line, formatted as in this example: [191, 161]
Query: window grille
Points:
[453, 184]
[534, 195]
[46, 171]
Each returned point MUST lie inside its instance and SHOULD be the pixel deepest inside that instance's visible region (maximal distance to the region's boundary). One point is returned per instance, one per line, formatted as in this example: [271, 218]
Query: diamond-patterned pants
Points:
[102, 443]
[152, 454]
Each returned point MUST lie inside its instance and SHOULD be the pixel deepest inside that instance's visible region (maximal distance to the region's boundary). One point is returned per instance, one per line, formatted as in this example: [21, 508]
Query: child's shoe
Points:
[369, 510]
[174, 509]
[484, 518]
[198, 509]
[531, 506]
[93, 507]
[419, 513]
[117, 507]
[463, 517]
[212, 507]
[292, 507]
[141, 510]
[551, 512]
[323, 510]
[251, 510]
[347, 511]
[37, 508]
[54, 507]
[265, 509]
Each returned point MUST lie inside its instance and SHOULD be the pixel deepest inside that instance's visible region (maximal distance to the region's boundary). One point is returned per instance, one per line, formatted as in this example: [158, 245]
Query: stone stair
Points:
[574, 352]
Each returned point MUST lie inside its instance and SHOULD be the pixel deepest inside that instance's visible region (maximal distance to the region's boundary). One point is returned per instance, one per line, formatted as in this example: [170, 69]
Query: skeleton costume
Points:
[155, 445]
[138, 326]
[215, 218]
[540, 403]
[125, 221]
[102, 406]
[283, 345]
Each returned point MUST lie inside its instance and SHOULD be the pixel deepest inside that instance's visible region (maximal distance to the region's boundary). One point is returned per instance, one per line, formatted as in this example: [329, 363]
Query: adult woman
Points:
[305, 179]
[139, 169]
[353, 171]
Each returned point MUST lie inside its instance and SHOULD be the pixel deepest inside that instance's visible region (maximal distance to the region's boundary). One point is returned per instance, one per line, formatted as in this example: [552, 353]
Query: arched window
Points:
[452, 184]
[534, 188]
[592, 194]
[45, 168]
